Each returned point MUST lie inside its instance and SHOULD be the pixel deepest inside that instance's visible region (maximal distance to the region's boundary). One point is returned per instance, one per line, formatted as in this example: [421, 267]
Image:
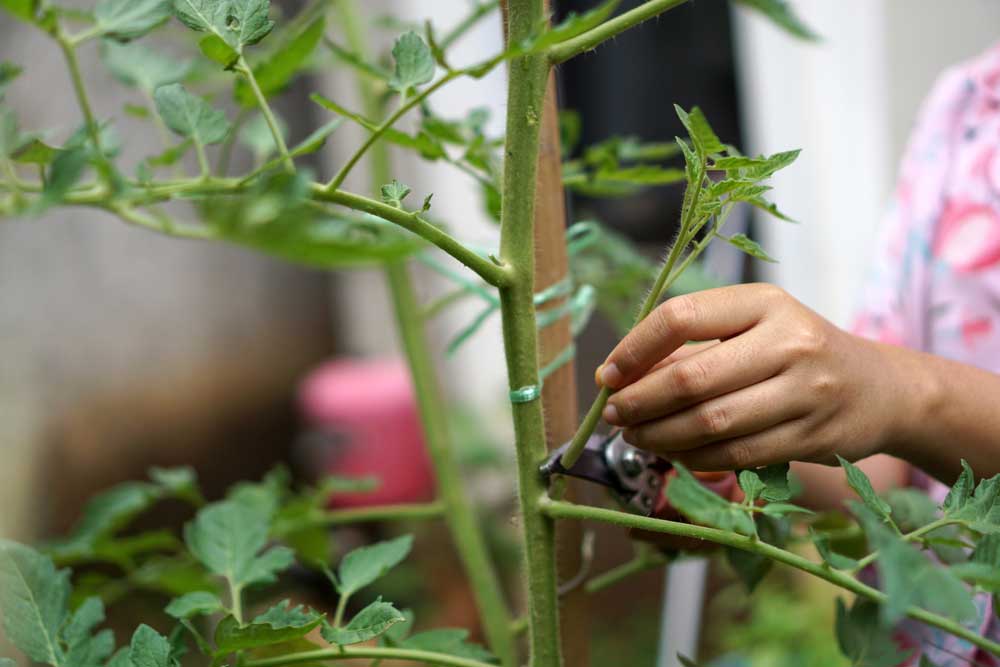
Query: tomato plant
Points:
[245, 541]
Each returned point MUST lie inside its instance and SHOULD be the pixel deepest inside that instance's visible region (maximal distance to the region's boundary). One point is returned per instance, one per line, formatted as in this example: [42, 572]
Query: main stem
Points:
[527, 79]
[459, 511]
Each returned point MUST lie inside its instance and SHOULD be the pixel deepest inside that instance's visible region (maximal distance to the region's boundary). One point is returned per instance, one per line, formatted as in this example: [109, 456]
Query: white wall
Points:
[848, 102]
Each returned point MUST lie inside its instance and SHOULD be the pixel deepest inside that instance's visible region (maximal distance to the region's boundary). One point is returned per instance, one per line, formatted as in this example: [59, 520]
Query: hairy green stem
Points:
[377, 133]
[526, 85]
[82, 99]
[371, 653]
[564, 510]
[401, 512]
[459, 511]
[490, 272]
[594, 37]
[236, 602]
[644, 560]
[662, 282]
[338, 615]
[243, 68]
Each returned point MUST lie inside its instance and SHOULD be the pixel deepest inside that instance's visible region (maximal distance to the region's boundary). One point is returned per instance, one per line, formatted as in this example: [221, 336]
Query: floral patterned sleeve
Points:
[935, 283]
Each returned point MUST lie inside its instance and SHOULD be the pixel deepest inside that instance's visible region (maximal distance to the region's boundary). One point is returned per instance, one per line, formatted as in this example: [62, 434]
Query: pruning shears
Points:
[634, 476]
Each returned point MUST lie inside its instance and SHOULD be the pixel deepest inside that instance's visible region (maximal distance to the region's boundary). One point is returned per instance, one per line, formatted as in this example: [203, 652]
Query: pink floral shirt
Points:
[935, 285]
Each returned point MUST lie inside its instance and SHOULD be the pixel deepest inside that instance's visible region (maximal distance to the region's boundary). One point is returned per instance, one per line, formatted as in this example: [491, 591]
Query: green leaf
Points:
[641, 175]
[275, 219]
[771, 208]
[35, 151]
[751, 567]
[961, 491]
[862, 486]
[190, 116]
[702, 135]
[105, 514]
[781, 13]
[26, 10]
[369, 623]
[124, 20]
[180, 482]
[33, 599]
[909, 578]
[150, 649]
[756, 168]
[451, 641]
[275, 73]
[986, 577]
[215, 48]
[394, 193]
[414, 63]
[227, 536]
[84, 650]
[279, 624]
[829, 556]
[8, 72]
[237, 23]
[863, 640]
[705, 507]
[139, 66]
[769, 483]
[364, 565]
[750, 247]
[982, 511]
[198, 603]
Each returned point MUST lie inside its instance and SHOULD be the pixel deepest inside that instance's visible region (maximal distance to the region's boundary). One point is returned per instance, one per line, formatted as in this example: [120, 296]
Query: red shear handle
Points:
[722, 483]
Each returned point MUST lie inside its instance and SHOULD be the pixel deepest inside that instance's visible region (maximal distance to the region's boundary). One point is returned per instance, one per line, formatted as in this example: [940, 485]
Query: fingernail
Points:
[611, 377]
[610, 414]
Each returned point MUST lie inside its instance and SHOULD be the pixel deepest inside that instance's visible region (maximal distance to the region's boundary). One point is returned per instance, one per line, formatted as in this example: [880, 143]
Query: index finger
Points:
[721, 313]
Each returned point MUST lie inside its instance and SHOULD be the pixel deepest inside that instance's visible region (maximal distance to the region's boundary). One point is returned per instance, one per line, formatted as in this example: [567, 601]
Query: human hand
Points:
[783, 384]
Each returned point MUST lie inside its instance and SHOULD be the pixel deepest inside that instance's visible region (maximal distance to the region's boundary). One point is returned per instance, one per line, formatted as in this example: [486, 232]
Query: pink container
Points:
[365, 413]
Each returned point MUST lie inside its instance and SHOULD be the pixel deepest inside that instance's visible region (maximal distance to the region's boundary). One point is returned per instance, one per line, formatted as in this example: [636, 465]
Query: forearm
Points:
[950, 411]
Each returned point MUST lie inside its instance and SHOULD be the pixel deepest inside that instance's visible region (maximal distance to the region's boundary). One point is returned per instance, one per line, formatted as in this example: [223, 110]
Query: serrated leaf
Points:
[84, 650]
[150, 649]
[909, 578]
[172, 155]
[105, 514]
[414, 63]
[368, 624]
[705, 507]
[197, 603]
[750, 247]
[364, 565]
[829, 556]
[33, 600]
[227, 537]
[281, 623]
[277, 71]
[960, 492]
[394, 193]
[862, 486]
[124, 20]
[770, 208]
[190, 116]
[783, 509]
[782, 14]
[863, 640]
[238, 23]
[451, 641]
[139, 66]
[702, 135]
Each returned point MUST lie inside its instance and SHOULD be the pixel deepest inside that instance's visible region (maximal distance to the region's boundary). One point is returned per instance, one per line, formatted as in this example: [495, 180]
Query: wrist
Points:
[916, 396]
